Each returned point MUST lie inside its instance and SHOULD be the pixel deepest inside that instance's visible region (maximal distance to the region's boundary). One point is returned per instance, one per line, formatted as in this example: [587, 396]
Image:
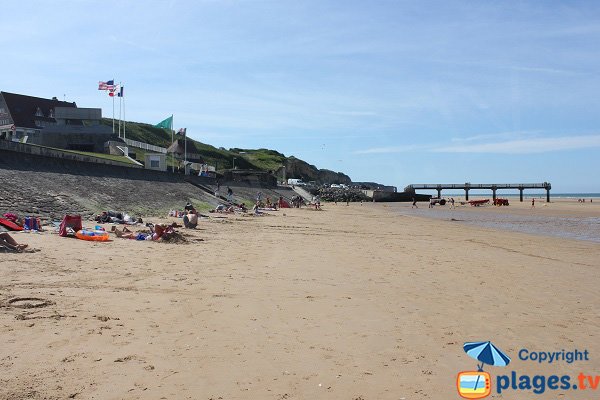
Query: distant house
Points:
[53, 123]
[156, 161]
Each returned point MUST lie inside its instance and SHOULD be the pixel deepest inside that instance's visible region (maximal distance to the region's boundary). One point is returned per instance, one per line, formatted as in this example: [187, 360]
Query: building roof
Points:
[23, 108]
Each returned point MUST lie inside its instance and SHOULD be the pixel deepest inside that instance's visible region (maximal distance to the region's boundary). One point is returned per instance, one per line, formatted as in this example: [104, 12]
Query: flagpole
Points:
[185, 147]
[123, 97]
[120, 103]
[172, 152]
[120, 107]
[113, 97]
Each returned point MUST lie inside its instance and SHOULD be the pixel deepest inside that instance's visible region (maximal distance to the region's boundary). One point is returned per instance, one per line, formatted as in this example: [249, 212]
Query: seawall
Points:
[52, 187]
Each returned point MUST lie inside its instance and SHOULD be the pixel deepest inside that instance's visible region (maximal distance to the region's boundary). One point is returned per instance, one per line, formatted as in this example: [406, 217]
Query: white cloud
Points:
[390, 149]
[498, 136]
[530, 145]
[525, 146]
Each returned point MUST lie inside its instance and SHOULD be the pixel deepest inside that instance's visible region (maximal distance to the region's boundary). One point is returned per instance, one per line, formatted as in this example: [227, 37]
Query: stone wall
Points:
[30, 149]
[52, 187]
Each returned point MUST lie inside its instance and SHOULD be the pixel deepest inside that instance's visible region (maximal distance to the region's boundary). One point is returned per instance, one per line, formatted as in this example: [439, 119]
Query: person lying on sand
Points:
[7, 241]
[158, 232]
[127, 234]
[162, 231]
[221, 208]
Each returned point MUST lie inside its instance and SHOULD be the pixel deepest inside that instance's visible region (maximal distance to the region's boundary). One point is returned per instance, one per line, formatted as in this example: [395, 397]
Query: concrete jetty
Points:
[490, 186]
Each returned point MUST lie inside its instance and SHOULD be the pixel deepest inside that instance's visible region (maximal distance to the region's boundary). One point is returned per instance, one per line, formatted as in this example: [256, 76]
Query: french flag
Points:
[114, 90]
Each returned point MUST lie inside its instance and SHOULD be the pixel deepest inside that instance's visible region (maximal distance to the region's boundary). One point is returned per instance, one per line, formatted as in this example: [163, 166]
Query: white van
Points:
[296, 182]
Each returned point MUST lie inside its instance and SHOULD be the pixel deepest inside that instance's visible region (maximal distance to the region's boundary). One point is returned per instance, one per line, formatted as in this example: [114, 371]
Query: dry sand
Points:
[349, 303]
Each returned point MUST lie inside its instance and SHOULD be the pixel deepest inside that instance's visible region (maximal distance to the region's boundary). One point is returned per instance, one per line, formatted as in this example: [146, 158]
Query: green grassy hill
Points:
[257, 159]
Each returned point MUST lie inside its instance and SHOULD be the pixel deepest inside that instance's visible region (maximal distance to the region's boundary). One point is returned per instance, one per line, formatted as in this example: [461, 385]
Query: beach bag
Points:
[70, 221]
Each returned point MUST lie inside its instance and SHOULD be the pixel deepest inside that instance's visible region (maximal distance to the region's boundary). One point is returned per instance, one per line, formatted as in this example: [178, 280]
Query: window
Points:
[39, 113]
[154, 164]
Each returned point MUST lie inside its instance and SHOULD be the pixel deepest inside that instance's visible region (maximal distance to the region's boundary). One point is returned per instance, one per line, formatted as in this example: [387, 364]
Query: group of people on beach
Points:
[155, 232]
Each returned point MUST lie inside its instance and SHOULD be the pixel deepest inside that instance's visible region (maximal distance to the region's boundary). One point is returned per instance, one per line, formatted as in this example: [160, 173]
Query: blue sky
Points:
[389, 91]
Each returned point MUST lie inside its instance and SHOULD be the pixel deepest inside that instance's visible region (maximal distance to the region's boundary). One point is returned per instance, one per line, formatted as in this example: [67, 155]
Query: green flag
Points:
[167, 123]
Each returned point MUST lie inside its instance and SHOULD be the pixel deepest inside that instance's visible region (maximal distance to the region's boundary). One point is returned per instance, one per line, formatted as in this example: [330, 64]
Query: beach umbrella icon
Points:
[487, 353]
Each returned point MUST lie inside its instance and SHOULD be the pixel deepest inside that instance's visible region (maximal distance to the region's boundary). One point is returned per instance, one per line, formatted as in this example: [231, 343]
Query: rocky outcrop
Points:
[296, 168]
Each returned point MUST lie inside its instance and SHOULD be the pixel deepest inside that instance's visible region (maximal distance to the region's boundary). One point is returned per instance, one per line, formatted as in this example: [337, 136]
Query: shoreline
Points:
[565, 219]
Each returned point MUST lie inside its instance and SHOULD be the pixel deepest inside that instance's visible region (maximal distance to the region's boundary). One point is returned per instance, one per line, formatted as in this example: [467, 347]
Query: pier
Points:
[490, 186]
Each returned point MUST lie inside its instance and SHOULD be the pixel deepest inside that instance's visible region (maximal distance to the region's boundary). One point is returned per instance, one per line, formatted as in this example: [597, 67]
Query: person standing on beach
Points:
[452, 202]
[229, 194]
[533, 203]
[414, 203]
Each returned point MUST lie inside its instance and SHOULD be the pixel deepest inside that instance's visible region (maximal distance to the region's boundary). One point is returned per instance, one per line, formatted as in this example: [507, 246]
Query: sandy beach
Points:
[353, 302]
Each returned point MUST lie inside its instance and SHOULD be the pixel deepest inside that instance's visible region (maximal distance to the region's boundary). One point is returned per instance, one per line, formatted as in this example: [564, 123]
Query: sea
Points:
[578, 228]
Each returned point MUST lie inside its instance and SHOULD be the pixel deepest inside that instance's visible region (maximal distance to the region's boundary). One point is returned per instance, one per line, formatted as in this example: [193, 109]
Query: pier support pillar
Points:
[439, 193]
[521, 195]
[547, 195]
[467, 194]
[494, 194]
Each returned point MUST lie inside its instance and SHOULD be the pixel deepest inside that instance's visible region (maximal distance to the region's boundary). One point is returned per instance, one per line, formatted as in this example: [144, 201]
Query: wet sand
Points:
[355, 302]
[562, 218]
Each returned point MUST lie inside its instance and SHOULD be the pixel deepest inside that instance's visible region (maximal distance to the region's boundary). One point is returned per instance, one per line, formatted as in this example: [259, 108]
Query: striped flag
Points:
[108, 85]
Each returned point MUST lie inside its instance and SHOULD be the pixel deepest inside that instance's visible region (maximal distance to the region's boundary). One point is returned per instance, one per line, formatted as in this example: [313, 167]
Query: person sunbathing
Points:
[7, 241]
[127, 234]
[223, 209]
[162, 231]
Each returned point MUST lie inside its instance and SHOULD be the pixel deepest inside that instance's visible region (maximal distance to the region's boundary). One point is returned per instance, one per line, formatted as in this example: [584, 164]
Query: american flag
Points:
[109, 85]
